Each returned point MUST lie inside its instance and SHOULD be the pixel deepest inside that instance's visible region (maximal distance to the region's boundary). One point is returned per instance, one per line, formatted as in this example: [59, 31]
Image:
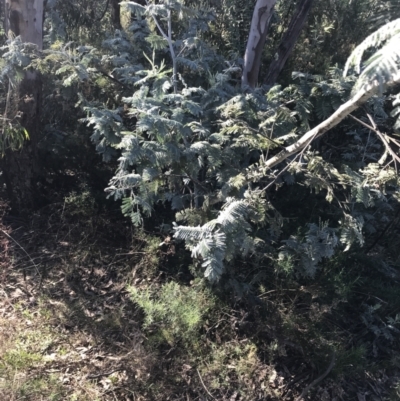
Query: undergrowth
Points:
[100, 316]
[174, 313]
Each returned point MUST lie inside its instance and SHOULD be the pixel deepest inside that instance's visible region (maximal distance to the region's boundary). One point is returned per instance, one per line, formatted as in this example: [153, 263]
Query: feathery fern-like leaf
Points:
[376, 39]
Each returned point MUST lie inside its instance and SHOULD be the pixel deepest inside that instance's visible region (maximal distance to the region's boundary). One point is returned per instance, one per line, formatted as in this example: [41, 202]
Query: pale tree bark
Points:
[262, 14]
[338, 116]
[24, 18]
[289, 40]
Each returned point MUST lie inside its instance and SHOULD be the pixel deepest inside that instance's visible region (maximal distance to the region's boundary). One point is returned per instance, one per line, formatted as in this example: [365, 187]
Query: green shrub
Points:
[173, 312]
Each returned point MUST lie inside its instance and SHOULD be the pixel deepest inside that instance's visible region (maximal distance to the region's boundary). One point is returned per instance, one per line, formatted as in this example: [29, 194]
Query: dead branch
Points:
[338, 116]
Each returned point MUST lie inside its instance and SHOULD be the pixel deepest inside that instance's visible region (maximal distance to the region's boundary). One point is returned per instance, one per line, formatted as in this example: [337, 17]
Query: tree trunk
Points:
[289, 40]
[116, 14]
[24, 18]
[258, 34]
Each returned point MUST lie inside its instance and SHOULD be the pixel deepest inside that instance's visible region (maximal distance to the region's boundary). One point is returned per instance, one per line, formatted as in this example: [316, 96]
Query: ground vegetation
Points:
[213, 212]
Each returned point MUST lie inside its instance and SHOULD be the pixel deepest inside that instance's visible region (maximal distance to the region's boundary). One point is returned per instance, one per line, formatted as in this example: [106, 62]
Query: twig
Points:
[204, 386]
[373, 296]
[172, 51]
[104, 12]
[168, 37]
[299, 155]
[297, 379]
[112, 78]
[92, 377]
[318, 379]
[382, 136]
[23, 249]
[129, 254]
[384, 139]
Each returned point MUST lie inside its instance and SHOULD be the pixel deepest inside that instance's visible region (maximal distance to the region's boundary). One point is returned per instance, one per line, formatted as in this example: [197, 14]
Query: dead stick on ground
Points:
[205, 388]
[318, 379]
[92, 377]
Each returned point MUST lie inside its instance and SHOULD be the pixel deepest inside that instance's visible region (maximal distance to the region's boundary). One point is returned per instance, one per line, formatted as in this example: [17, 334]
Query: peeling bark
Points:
[289, 40]
[258, 34]
[24, 18]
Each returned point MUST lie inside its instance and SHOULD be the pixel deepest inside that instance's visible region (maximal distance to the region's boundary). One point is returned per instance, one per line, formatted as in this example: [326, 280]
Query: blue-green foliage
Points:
[189, 137]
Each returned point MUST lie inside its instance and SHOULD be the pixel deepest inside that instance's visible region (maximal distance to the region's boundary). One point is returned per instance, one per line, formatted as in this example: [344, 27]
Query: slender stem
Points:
[172, 51]
[113, 78]
[104, 12]
[204, 386]
[22, 248]
[318, 379]
[168, 38]
[381, 136]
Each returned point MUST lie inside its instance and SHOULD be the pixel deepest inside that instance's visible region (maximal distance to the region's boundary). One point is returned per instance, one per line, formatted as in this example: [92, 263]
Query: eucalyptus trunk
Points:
[24, 18]
[262, 14]
[289, 40]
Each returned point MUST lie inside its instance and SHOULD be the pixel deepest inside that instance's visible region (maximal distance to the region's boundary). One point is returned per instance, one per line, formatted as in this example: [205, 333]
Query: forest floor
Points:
[70, 331]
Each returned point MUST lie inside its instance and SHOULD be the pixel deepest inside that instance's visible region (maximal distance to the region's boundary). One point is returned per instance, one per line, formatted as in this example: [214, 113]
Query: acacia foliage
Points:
[189, 138]
[168, 106]
[190, 150]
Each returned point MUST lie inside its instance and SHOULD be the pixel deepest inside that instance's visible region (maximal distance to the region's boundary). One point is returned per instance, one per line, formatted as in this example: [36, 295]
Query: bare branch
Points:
[168, 38]
[338, 116]
[382, 137]
[318, 379]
